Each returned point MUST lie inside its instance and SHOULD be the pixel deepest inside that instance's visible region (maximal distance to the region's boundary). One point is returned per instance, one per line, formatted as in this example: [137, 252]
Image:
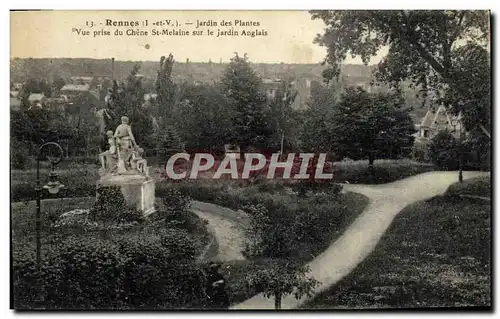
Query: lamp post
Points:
[53, 187]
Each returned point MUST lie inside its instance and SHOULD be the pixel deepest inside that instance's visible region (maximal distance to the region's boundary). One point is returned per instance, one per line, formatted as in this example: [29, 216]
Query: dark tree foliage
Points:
[444, 151]
[165, 88]
[372, 126]
[282, 116]
[242, 87]
[435, 50]
[317, 131]
[203, 118]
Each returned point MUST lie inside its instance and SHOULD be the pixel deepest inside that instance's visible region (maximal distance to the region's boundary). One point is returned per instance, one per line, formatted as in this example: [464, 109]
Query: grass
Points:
[384, 171]
[332, 223]
[479, 186]
[23, 224]
[435, 254]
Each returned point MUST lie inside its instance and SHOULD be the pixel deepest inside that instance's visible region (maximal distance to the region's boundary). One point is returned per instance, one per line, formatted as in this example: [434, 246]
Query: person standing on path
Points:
[216, 288]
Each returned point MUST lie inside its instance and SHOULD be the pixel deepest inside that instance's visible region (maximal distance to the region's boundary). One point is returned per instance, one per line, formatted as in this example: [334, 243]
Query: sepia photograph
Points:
[250, 160]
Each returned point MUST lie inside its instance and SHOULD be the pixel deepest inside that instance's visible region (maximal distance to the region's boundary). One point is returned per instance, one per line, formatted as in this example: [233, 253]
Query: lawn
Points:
[384, 171]
[479, 186]
[435, 254]
[327, 228]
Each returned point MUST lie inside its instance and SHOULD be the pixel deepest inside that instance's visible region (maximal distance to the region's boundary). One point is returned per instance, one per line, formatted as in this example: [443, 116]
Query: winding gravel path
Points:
[228, 227]
[359, 240]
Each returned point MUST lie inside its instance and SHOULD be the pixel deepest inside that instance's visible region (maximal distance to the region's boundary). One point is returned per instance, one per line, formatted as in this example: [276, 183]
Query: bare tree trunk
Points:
[371, 159]
[277, 300]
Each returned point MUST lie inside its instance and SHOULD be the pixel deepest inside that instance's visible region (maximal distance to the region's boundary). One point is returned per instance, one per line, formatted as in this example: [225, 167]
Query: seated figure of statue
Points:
[109, 158]
[138, 163]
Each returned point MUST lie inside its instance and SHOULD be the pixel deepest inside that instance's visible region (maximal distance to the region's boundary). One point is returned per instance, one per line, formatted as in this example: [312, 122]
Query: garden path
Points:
[228, 228]
[359, 240]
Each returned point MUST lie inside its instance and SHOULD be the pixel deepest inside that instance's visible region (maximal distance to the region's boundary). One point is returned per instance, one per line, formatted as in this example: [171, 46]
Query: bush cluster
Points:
[111, 207]
[89, 273]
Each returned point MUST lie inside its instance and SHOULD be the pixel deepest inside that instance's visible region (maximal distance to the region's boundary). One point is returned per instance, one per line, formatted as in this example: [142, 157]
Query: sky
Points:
[52, 34]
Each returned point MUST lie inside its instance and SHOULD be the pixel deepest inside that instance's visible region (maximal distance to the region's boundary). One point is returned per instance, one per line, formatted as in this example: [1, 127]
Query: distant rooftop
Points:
[87, 78]
[36, 97]
[15, 103]
[271, 81]
[75, 88]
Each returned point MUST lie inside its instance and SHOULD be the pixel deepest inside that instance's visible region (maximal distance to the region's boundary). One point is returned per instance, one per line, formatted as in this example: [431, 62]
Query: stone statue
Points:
[123, 165]
[124, 156]
[138, 163]
[126, 144]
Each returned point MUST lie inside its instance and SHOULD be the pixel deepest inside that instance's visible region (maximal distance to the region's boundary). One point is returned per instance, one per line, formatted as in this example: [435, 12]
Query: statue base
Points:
[138, 190]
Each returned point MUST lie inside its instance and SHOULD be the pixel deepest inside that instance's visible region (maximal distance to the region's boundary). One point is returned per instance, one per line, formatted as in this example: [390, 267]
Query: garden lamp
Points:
[53, 186]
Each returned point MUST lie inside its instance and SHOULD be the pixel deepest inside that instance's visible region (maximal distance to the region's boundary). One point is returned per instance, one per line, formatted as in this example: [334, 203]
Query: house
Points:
[438, 120]
[72, 91]
[36, 99]
[80, 80]
[15, 103]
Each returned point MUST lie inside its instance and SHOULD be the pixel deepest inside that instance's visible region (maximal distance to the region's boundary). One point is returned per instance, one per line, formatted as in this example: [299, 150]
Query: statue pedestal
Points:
[138, 190]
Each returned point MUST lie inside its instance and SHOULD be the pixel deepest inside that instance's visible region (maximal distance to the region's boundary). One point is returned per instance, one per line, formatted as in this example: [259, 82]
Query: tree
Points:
[282, 114]
[269, 237]
[372, 126]
[317, 133]
[128, 98]
[424, 47]
[282, 278]
[165, 88]
[444, 151]
[132, 94]
[241, 85]
[203, 118]
[58, 83]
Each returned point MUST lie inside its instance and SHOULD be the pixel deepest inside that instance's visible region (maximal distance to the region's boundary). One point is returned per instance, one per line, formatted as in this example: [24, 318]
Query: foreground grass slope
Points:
[435, 254]
[479, 186]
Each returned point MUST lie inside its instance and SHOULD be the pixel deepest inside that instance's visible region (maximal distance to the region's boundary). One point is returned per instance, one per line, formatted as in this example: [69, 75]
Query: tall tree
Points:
[424, 47]
[165, 88]
[242, 87]
[317, 132]
[282, 114]
[204, 117]
[372, 126]
[129, 100]
[282, 278]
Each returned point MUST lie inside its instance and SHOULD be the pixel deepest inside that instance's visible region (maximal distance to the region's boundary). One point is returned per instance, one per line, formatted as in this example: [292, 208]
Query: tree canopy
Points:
[242, 87]
[434, 50]
[368, 125]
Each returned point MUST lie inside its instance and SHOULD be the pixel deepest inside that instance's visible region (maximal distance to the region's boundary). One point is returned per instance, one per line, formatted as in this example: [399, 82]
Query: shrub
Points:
[311, 187]
[19, 158]
[78, 182]
[384, 171]
[90, 273]
[420, 152]
[111, 207]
